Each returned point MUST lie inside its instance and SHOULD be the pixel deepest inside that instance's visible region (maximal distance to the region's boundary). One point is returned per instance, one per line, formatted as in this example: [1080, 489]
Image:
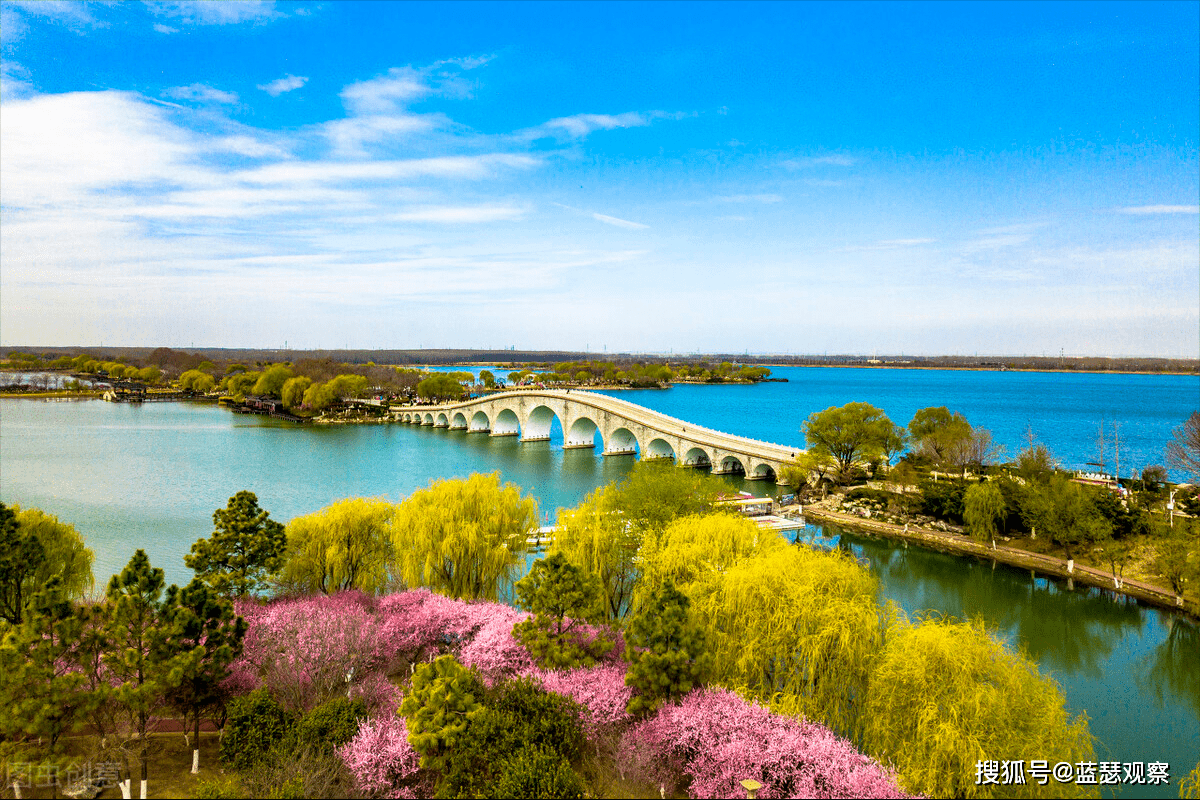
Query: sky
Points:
[1011, 178]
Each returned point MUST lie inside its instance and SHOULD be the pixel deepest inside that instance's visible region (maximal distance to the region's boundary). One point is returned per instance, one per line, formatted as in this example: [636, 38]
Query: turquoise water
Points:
[150, 476]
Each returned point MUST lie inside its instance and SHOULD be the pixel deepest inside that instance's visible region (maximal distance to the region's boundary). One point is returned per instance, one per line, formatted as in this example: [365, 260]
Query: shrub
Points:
[538, 772]
[942, 500]
[331, 724]
[518, 714]
[256, 724]
[219, 789]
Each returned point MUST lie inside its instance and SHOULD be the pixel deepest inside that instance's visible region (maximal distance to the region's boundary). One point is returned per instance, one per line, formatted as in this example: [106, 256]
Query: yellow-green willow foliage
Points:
[945, 695]
[795, 627]
[66, 556]
[346, 545]
[1189, 787]
[604, 534]
[699, 544]
[464, 538]
[602, 544]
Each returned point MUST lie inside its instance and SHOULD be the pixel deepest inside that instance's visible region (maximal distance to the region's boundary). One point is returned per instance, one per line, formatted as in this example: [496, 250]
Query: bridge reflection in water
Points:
[624, 429]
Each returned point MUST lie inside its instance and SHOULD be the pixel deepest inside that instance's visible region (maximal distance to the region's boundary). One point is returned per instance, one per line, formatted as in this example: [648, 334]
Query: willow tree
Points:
[696, 545]
[795, 627]
[605, 533]
[346, 545]
[946, 695]
[464, 539]
[983, 508]
[35, 548]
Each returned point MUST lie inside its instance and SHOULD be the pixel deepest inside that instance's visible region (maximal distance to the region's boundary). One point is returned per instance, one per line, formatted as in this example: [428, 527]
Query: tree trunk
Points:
[196, 752]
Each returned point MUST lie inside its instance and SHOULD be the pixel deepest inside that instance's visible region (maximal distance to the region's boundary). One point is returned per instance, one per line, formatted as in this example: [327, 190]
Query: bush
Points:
[219, 789]
[942, 500]
[880, 498]
[538, 772]
[332, 724]
[256, 724]
[517, 715]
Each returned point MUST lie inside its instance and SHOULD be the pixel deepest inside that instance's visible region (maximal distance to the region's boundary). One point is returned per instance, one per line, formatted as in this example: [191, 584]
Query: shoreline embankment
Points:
[1037, 563]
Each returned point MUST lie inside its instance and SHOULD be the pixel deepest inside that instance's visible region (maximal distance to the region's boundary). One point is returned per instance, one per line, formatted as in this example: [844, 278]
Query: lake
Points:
[150, 476]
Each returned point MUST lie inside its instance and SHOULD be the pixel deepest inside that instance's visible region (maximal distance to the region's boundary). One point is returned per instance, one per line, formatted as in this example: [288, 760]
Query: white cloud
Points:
[386, 94]
[285, 84]
[443, 166]
[905, 242]
[834, 160]
[466, 214]
[201, 93]
[349, 137]
[1161, 210]
[158, 26]
[225, 12]
[751, 198]
[73, 14]
[581, 125]
[620, 223]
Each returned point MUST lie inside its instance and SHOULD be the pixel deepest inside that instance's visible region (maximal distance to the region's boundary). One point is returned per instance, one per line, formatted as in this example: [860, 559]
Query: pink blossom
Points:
[601, 690]
[381, 759]
[717, 739]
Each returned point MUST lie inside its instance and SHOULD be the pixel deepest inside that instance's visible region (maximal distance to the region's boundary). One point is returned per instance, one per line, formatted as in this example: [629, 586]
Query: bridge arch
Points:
[537, 424]
[620, 441]
[442, 421]
[479, 423]
[458, 422]
[659, 448]
[696, 457]
[762, 471]
[428, 419]
[506, 423]
[730, 465]
[582, 433]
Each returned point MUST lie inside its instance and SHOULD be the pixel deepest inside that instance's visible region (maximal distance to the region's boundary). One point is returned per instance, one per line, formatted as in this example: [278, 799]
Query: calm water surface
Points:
[150, 476]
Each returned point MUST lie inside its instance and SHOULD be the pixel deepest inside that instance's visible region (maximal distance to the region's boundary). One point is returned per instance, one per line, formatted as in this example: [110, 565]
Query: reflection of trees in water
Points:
[1172, 671]
[1070, 632]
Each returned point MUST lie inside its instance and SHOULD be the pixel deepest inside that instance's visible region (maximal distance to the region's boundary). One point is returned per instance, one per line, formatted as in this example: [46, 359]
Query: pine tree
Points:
[20, 555]
[560, 595]
[245, 548]
[133, 626]
[444, 699]
[43, 697]
[666, 653]
[199, 638]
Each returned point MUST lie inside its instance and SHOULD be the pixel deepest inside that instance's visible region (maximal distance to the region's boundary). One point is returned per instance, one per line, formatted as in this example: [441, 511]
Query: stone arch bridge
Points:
[624, 428]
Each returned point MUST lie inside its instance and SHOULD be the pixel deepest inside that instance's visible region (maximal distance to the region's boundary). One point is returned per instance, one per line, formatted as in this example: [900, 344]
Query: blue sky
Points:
[854, 178]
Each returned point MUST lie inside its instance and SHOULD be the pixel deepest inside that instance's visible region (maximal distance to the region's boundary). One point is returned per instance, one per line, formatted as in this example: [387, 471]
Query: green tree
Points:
[560, 595]
[246, 547]
[440, 386]
[518, 716]
[604, 534]
[464, 539]
[149, 374]
[44, 697]
[140, 672]
[293, 390]
[241, 383]
[1072, 522]
[199, 637]
[1177, 555]
[346, 545]
[848, 434]
[665, 650]
[983, 509]
[1035, 464]
[35, 547]
[946, 695]
[941, 435]
[443, 700]
[487, 378]
[272, 380]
